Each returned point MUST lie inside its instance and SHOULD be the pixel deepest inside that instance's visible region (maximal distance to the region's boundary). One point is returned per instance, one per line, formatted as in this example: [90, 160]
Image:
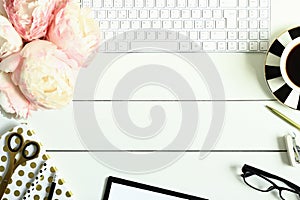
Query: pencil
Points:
[52, 188]
[283, 117]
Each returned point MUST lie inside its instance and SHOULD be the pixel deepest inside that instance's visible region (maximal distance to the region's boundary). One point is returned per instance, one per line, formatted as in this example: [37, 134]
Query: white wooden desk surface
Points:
[251, 134]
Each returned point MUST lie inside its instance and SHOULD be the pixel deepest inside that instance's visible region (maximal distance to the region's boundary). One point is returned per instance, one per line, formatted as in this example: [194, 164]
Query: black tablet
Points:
[120, 189]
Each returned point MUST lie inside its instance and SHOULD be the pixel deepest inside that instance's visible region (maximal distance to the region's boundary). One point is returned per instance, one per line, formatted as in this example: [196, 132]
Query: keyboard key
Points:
[231, 16]
[108, 3]
[220, 24]
[264, 3]
[167, 24]
[172, 46]
[263, 46]
[204, 35]
[130, 35]
[264, 14]
[243, 35]
[196, 46]
[188, 24]
[161, 35]
[161, 3]
[181, 3]
[149, 3]
[122, 14]
[172, 35]
[114, 24]
[199, 24]
[164, 14]
[210, 24]
[253, 3]
[253, 24]
[186, 14]
[125, 25]
[213, 3]
[243, 3]
[175, 14]
[117, 3]
[253, 14]
[156, 24]
[243, 24]
[140, 35]
[183, 35]
[222, 46]
[97, 3]
[253, 35]
[228, 3]
[154, 14]
[194, 35]
[264, 35]
[218, 35]
[136, 24]
[108, 35]
[128, 3]
[232, 35]
[102, 14]
[196, 14]
[192, 3]
[146, 24]
[151, 35]
[143, 14]
[111, 14]
[243, 46]
[177, 24]
[184, 46]
[243, 14]
[171, 3]
[217, 14]
[111, 46]
[123, 46]
[232, 46]
[264, 24]
[132, 14]
[207, 14]
[202, 3]
[104, 25]
[139, 3]
[253, 46]
[209, 46]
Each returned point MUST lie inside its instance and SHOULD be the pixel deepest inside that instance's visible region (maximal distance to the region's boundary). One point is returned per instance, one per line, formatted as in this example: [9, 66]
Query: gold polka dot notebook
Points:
[26, 172]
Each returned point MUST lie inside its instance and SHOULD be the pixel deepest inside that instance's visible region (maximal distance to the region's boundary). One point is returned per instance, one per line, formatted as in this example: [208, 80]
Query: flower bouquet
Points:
[43, 45]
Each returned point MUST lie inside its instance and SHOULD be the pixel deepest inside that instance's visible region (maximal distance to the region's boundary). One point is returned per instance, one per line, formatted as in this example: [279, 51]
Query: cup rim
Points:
[286, 52]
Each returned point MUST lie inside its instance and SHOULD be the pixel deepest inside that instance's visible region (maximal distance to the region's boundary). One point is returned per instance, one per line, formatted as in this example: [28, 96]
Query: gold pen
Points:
[285, 118]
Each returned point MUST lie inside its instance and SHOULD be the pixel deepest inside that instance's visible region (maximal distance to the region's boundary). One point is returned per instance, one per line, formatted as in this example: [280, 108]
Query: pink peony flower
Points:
[2, 10]
[10, 41]
[44, 74]
[12, 101]
[75, 32]
[30, 18]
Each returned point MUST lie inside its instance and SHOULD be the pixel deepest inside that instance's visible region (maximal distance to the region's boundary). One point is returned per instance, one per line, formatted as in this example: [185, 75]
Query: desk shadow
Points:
[257, 62]
[237, 171]
[281, 146]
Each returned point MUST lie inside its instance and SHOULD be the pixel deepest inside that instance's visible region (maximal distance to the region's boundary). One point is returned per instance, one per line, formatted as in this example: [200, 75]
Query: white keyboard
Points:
[182, 25]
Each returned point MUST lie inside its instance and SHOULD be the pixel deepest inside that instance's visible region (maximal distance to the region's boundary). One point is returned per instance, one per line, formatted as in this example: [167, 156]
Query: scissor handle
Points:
[18, 147]
[36, 152]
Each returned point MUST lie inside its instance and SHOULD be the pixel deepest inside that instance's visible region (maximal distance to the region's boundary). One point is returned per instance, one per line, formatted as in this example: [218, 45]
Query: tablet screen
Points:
[120, 189]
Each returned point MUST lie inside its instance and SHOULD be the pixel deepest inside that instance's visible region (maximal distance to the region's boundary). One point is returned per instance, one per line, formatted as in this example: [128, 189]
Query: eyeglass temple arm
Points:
[269, 175]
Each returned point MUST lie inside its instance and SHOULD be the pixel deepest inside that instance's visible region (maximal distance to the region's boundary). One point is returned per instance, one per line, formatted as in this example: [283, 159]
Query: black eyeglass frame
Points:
[249, 171]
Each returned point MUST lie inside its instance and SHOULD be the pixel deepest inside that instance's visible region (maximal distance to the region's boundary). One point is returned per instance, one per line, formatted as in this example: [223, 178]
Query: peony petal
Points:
[12, 100]
[10, 63]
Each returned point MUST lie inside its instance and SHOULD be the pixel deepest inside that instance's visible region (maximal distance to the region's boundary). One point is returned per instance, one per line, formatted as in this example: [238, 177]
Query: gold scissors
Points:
[19, 152]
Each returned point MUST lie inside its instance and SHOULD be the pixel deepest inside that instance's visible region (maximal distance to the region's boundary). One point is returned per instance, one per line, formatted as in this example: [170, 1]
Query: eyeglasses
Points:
[261, 181]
